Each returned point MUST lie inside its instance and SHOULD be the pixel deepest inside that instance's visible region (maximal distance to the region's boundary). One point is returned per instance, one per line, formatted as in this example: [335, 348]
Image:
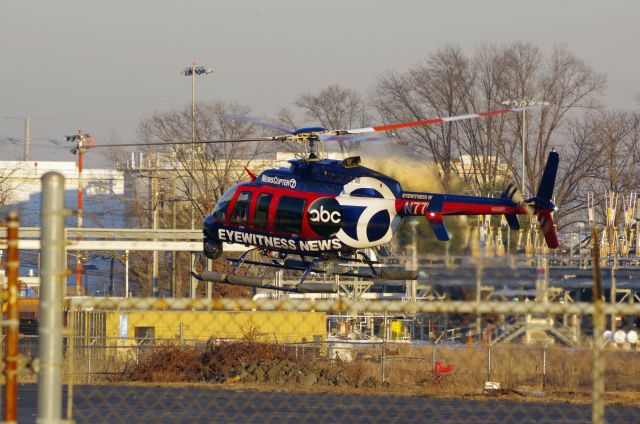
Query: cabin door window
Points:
[289, 214]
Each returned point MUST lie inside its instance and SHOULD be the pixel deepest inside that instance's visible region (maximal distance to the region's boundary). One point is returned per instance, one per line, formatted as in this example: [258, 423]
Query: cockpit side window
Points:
[261, 214]
[220, 210]
[240, 213]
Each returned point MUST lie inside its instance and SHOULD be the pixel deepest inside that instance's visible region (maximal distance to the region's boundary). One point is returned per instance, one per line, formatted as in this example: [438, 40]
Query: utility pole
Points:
[27, 137]
[155, 206]
[80, 148]
[27, 132]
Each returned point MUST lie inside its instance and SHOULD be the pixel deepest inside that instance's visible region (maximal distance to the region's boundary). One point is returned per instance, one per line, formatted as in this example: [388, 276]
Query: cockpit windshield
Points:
[223, 204]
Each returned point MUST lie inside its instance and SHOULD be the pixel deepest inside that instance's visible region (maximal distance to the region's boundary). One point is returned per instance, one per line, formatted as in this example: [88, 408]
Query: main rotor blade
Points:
[354, 138]
[261, 122]
[437, 120]
[187, 143]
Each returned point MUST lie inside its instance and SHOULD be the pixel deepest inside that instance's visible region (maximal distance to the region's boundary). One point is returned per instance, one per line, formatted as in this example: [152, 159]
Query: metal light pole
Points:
[524, 103]
[192, 71]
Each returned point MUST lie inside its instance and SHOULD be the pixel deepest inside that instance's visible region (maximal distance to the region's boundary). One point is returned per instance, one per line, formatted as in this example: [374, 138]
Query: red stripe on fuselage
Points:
[406, 207]
[467, 208]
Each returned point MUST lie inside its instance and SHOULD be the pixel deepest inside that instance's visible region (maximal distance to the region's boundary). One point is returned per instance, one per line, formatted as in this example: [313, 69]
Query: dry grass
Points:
[408, 370]
[516, 367]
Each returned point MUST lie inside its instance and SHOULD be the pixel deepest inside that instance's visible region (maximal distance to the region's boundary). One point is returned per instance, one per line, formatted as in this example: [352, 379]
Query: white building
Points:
[21, 181]
[103, 191]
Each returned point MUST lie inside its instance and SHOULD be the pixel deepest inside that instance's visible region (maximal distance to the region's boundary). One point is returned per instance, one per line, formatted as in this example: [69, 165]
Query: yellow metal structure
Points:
[282, 327]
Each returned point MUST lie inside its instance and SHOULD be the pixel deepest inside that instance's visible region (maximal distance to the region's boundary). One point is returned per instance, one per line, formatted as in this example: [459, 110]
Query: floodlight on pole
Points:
[192, 71]
[525, 102]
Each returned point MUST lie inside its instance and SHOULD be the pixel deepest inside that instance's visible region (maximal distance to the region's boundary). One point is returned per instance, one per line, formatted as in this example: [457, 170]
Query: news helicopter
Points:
[329, 212]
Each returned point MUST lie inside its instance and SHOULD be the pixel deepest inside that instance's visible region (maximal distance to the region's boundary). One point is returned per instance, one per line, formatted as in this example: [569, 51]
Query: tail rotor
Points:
[541, 204]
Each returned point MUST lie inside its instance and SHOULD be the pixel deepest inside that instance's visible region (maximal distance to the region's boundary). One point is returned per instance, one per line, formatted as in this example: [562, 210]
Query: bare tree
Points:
[337, 108]
[10, 183]
[438, 87]
[579, 154]
[176, 178]
[450, 83]
[6, 187]
[217, 166]
[569, 85]
[612, 139]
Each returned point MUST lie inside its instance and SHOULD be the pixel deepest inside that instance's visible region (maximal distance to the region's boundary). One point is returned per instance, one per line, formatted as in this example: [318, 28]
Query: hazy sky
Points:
[103, 66]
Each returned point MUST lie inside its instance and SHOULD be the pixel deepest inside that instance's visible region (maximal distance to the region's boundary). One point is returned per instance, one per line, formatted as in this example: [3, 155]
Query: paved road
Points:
[96, 404]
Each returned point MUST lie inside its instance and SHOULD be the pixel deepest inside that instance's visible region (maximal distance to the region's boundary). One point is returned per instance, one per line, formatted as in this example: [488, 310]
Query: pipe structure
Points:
[597, 395]
[11, 347]
[51, 285]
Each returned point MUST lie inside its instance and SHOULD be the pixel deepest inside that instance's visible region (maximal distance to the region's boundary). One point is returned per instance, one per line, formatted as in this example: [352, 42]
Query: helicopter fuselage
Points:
[329, 207]
[312, 208]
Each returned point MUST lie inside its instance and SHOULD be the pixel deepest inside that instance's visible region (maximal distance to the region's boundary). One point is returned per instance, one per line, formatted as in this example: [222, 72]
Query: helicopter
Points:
[332, 212]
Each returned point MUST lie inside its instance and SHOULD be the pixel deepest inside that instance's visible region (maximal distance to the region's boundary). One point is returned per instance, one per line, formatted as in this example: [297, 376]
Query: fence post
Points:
[544, 367]
[384, 342]
[433, 360]
[52, 240]
[597, 396]
[489, 361]
[11, 346]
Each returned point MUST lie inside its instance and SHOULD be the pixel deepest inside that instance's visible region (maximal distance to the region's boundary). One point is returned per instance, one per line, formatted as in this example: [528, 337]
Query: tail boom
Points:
[435, 206]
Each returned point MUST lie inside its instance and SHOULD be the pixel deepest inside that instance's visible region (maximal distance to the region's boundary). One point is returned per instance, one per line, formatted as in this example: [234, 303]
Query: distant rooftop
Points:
[36, 169]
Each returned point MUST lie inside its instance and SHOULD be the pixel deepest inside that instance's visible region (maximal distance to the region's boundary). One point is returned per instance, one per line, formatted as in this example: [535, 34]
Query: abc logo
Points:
[324, 216]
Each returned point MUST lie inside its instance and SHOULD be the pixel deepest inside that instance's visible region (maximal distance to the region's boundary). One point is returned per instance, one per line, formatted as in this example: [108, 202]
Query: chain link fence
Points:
[168, 360]
[238, 360]
[292, 360]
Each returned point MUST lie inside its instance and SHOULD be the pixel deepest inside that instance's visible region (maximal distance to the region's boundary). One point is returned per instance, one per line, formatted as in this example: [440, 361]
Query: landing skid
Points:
[373, 274]
[254, 282]
[306, 266]
[219, 277]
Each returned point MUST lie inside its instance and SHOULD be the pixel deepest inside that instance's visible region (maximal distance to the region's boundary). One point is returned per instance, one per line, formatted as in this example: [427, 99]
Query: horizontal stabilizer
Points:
[437, 224]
